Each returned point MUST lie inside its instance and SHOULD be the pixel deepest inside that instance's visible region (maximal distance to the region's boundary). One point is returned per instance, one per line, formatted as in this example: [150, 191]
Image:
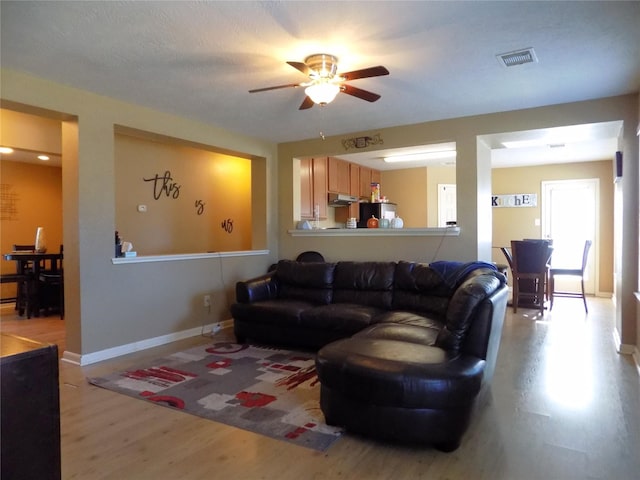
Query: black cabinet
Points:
[29, 410]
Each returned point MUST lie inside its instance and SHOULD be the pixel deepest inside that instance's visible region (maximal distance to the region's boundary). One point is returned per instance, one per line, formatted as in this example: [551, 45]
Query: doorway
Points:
[447, 210]
[569, 217]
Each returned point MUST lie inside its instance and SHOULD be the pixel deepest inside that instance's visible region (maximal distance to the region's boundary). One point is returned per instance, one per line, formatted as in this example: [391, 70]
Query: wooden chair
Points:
[572, 272]
[530, 269]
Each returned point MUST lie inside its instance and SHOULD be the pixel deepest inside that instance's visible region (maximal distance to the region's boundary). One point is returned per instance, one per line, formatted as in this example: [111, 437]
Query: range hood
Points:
[341, 200]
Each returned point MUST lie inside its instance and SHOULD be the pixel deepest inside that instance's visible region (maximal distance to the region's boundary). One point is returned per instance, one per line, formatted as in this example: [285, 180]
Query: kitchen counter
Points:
[377, 232]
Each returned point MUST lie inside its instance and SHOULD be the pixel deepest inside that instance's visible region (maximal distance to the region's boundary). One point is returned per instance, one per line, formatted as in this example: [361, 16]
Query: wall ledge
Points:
[377, 232]
[185, 256]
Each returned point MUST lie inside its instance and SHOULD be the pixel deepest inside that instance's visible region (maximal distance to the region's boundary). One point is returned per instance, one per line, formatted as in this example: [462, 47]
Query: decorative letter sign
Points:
[515, 200]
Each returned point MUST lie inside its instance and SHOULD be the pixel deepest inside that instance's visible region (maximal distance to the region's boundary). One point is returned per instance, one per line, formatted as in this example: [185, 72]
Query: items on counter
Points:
[397, 222]
[375, 192]
[372, 222]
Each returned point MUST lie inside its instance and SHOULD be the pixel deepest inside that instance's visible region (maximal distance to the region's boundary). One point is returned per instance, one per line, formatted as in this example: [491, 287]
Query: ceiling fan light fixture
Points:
[322, 65]
[322, 93]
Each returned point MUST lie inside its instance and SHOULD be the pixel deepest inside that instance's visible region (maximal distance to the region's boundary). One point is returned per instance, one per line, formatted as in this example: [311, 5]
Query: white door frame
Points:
[594, 262]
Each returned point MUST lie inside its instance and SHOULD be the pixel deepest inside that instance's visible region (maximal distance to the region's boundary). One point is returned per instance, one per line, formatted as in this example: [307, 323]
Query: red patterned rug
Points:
[264, 390]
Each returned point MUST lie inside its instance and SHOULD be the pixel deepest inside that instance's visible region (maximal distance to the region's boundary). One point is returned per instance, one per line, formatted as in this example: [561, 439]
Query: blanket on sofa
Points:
[453, 273]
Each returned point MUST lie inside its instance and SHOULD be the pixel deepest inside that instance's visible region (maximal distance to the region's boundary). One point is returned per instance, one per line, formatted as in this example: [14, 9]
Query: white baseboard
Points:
[636, 358]
[88, 359]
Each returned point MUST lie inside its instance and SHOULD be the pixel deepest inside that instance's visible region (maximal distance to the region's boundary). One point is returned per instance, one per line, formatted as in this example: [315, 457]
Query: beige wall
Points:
[110, 305]
[415, 190]
[174, 222]
[408, 189]
[32, 197]
[41, 134]
[119, 304]
[516, 223]
[473, 180]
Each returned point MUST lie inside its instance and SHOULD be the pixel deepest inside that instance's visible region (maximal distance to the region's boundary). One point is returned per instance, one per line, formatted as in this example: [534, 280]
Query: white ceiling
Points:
[199, 59]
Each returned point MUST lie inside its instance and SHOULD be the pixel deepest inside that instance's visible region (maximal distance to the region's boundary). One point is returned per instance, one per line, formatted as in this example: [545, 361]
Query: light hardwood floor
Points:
[564, 405]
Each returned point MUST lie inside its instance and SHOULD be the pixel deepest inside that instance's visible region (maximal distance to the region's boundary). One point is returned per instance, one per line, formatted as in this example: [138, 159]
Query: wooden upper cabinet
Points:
[313, 187]
[320, 198]
[367, 177]
[306, 188]
[375, 176]
[365, 182]
[338, 175]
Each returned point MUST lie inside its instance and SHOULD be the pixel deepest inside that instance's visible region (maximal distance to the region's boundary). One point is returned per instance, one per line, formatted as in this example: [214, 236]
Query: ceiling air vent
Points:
[519, 57]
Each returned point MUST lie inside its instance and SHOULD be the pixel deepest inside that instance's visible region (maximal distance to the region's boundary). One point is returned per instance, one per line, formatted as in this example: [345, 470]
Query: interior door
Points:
[446, 204]
[570, 216]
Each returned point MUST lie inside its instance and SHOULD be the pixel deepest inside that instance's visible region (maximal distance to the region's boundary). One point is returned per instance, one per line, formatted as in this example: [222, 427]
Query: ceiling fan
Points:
[325, 83]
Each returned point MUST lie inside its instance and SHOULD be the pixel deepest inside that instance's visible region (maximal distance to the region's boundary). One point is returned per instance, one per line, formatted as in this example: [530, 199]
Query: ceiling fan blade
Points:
[306, 103]
[288, 85]
[302, 67]
[358, 92]
[365, 73]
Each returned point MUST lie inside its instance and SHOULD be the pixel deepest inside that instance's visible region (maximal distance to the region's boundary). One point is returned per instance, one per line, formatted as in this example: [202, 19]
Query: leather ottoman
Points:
[383, 382]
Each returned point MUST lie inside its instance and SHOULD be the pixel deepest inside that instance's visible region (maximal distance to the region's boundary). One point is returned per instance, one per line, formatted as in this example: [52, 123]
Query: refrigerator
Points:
[378, 210]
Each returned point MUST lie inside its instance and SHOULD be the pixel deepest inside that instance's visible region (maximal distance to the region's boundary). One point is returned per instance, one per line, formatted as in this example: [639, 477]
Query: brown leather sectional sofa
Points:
[404, 348]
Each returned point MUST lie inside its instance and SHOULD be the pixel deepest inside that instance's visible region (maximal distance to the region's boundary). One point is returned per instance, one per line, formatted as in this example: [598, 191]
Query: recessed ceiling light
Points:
[538, 142]
[6, 150]
[43, 157]
[417, 157]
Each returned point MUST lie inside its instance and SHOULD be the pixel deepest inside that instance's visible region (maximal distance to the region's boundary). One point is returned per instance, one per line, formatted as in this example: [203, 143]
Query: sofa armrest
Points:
[264, 287]
[464, 305]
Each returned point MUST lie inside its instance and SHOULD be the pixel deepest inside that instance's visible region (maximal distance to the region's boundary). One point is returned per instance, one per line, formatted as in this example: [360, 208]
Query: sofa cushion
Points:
[387, 372]
[346, 317]
[409, 318]
[401, 332]
[419, 288]
[309, 281]
[364, 283]
[276, 312]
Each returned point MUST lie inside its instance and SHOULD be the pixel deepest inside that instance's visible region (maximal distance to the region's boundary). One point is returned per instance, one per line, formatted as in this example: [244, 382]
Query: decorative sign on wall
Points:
[164, 184]
[361, 142]
[8, 202]
[227, 225]
[515, 200]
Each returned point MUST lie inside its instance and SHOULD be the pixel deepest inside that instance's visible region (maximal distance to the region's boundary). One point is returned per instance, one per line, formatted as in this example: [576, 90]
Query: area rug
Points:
[265, 390]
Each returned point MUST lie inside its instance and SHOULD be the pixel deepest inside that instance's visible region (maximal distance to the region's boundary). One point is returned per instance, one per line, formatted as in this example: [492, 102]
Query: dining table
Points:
[31, 263]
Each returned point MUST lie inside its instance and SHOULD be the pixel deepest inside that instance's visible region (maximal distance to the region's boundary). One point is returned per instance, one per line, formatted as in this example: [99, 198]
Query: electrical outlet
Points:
[207, 300]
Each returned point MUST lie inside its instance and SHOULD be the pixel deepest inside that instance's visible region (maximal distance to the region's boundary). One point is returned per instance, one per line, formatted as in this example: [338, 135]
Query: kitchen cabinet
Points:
[306, 188]
[338, 175]
[313, 187]
[365, 182]
[354, 189]
[367, 177]
[375, 176]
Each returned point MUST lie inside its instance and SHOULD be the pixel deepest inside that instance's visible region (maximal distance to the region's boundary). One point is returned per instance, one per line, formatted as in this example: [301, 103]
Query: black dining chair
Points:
[530, 270]
[310, 256]
[24, 279]
[51, 286]
[571, 272]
